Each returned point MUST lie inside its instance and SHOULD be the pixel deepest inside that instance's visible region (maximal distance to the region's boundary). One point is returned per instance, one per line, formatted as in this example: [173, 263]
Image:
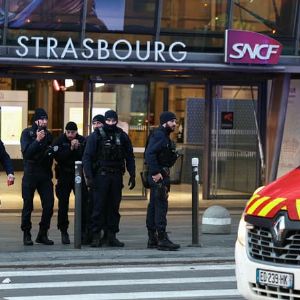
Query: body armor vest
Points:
[110, 147]
[168, 156]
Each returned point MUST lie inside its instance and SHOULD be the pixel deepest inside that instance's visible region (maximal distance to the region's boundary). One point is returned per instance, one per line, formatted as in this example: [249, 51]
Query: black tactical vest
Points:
[168, 156]
[110, 147]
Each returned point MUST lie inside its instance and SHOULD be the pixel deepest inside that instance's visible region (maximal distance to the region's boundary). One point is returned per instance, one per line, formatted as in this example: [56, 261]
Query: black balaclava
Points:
[110, 114]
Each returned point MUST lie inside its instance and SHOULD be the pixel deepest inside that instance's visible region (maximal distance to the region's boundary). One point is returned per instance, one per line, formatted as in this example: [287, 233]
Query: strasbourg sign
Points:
[100, 49]
[246, 47]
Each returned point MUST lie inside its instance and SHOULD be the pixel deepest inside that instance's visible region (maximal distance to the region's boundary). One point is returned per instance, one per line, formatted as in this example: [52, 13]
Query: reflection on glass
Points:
[65, 14]
[199, 15]
[121, 15]
[11, 124]
[273, 17]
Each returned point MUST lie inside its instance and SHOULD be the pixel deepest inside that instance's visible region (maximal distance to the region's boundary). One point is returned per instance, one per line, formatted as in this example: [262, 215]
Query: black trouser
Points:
[63, 189]
[43, 184]
[158, 205]
[107, 194]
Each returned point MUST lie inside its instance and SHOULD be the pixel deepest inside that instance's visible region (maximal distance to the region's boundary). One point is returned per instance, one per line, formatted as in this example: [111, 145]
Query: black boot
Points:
[42, 238]
[153, 240]
[27, 238]
[65, 239]
[96, 240]
[164, 243]
[86, 238]
[104, 239]
[112, 241]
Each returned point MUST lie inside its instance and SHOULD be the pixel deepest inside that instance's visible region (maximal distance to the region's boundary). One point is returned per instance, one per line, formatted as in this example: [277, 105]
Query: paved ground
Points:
[215, 248]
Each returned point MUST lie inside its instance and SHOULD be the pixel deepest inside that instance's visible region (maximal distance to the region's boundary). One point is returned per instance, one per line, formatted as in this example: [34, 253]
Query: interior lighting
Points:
[273, 31]
[205, 4]
[132, 86]
[69, 83]
[99, 84]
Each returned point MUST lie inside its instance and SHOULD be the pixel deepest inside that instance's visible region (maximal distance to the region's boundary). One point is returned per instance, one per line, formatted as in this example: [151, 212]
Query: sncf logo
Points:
[245, 47]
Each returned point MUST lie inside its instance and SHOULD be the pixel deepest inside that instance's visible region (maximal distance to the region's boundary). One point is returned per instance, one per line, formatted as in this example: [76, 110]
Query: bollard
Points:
[77, 217]
[216, 220]
[195, 201]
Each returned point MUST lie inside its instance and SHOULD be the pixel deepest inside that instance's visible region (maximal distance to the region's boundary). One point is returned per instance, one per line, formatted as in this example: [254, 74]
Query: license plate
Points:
[278, 279]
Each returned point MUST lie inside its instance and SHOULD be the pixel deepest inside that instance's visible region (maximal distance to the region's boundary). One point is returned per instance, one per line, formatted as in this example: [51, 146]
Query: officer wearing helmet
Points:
[107, 154]
[160, 156]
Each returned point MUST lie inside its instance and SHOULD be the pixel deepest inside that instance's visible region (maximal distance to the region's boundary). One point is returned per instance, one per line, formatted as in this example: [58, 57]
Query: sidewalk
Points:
[215, 248]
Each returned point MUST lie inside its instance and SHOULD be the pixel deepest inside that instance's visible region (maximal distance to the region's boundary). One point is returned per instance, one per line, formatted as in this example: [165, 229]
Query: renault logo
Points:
[279, 231]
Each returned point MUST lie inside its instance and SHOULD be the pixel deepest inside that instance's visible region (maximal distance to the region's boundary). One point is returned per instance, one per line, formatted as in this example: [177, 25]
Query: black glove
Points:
[131, 182]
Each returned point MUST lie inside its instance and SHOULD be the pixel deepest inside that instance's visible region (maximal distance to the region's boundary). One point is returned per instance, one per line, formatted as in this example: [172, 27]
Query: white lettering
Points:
[183, 53]
[256, 52]
[100, 49]
[138, 49]
[20, 38]
[114, 49]
[71, 50]
[50, 48]
[273, 49]
[159, 48]
[87, 47]
[236, 47]
[121, 49]
[37, 45]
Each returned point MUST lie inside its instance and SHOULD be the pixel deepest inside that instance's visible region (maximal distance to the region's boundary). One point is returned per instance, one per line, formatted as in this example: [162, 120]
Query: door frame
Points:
[261, 119]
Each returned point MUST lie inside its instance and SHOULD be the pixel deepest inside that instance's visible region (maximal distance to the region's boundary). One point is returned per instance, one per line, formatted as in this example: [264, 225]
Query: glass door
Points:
[234, 152]
[131, 102]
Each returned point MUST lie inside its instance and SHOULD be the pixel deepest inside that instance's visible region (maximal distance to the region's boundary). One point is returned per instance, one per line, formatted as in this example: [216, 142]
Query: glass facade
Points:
[200, 24]
[141, 94]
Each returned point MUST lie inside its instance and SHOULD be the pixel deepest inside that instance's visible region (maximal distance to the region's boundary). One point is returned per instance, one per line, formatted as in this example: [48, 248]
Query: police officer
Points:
[7, 164]
[37, 158]
[107, 152]
[160, 155]
[70, 146]
[98, 122]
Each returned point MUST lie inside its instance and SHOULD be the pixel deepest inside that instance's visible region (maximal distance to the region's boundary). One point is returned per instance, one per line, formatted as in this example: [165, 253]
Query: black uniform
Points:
[65, 175]
[160, 155]
[37, 158]
[5, 160]
[106, 155]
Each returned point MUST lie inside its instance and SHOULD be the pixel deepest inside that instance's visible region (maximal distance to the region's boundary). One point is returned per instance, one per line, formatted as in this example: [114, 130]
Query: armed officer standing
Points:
[107, 153]
[37, 158]
[160, 155]
[70, 147]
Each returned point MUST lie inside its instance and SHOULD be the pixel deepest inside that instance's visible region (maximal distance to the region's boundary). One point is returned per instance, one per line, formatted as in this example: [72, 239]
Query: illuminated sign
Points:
[100, 50]
[246, 47]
